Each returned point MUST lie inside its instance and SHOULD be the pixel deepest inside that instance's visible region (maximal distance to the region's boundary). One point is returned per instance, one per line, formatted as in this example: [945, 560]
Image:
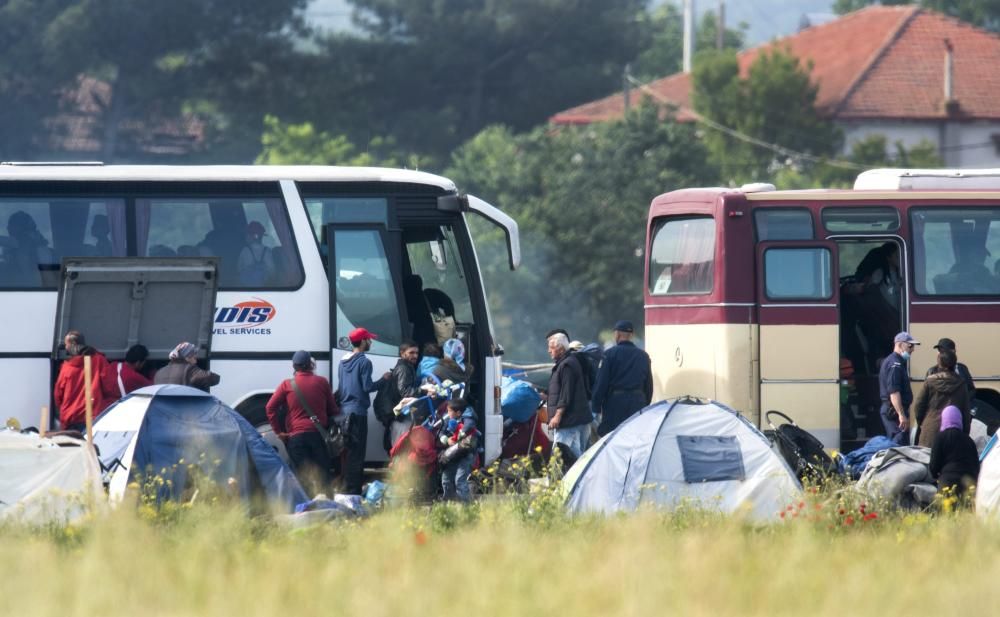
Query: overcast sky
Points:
[767, 18]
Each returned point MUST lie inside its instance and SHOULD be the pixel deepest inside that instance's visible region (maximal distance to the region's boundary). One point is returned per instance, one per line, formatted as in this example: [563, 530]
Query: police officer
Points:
[624, 382]
[894, 389]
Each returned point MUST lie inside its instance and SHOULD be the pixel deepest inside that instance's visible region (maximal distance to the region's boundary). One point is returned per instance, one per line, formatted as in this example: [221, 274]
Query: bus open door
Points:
[798, 296]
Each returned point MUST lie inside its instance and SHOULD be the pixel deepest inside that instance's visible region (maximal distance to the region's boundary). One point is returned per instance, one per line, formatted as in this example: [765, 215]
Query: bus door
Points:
[365, 291]
[798, 296]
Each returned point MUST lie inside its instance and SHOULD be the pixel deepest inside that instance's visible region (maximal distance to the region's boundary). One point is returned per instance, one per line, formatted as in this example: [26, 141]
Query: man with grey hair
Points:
[569, 409]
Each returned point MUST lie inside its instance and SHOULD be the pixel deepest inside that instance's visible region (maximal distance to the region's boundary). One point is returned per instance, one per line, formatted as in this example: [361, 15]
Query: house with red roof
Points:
[905, 72]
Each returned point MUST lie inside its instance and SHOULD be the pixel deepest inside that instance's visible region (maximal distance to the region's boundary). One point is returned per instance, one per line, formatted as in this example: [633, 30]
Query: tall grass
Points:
[503, 557]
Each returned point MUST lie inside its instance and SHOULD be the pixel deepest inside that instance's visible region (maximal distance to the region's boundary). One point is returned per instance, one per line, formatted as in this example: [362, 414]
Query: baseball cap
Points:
[905, 337]
[945, 343]
[301, 358]
[360, 334]
[254, 228]
[624, 325]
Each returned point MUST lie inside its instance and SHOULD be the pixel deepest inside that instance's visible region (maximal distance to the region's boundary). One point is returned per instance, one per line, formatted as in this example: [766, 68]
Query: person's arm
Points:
[897, 403]
[920, 405]
[406, 383]
[567, 384]
[275, 405]
[57, 394]
[332, 408]
[200, 378]
[367, 385]
[898, 378]
[600, 388]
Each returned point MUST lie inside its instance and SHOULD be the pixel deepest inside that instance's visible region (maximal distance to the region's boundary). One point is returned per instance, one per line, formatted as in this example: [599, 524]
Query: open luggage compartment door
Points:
[119, 302]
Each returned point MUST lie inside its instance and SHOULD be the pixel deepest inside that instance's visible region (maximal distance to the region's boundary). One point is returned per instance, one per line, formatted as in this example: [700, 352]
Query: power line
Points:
[776, 148]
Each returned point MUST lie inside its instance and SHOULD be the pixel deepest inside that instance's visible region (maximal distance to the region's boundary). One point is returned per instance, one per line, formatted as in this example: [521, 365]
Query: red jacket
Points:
[131, 379]
[70, 394]
[317, 392]
[416, 447]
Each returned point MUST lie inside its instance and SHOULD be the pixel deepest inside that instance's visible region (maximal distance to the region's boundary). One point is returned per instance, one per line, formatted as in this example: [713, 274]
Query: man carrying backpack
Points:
[624, 382]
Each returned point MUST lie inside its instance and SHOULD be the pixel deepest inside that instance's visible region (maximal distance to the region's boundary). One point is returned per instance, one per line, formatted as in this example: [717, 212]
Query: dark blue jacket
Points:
[354, 384]
[894, 377]
[624, 385]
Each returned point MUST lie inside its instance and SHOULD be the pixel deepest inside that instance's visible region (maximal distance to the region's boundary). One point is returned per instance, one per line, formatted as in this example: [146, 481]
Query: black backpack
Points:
[590, 358]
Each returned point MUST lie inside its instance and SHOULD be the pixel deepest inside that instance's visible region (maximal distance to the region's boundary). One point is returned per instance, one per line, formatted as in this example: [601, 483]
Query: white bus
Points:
[384, 246]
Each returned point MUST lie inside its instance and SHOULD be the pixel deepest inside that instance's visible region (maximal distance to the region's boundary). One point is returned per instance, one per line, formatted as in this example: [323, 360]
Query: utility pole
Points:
[689, 10]
[720, 26]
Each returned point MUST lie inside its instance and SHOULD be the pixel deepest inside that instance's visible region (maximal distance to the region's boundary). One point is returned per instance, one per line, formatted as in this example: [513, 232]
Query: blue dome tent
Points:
[156, 428]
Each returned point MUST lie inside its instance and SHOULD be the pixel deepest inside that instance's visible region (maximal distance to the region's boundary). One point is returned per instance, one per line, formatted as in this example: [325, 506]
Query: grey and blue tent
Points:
[164, 430]
[683, 451]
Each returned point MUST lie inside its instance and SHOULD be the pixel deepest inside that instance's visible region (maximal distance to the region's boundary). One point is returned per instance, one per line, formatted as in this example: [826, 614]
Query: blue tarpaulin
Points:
[518, 400]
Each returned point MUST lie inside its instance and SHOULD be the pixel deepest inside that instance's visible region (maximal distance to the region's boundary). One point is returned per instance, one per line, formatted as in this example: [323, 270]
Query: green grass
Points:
[505, 556]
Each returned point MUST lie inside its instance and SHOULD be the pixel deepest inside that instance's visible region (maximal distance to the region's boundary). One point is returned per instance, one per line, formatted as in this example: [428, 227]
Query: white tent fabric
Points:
[988, 486]
[685, 451]
[43, 481]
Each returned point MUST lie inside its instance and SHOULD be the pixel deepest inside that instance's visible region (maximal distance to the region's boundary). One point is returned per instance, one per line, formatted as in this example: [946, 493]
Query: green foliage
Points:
[662, 54]
[302, 144]
[774, 103]
[580, 196]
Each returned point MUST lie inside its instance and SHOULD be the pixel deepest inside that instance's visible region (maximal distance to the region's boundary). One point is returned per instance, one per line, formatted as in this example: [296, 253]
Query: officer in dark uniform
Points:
[624, 382]
[894, 389]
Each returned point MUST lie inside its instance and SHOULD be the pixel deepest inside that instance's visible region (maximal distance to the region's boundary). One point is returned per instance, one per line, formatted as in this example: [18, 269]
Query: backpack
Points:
[590, 358]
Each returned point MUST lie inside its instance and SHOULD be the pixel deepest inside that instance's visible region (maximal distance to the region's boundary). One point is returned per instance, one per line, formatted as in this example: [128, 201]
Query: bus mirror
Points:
[452, 203]
[438, 255]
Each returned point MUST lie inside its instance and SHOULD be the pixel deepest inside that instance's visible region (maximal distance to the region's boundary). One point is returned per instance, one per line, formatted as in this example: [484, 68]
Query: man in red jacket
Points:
[71, 391]
[288, 411]
[120, 378]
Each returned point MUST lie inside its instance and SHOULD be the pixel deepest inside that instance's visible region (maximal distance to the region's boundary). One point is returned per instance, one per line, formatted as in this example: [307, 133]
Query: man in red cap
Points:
[354, 387]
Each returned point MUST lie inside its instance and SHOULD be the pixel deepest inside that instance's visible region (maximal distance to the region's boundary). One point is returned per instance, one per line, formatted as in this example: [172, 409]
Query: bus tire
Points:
[987, 409]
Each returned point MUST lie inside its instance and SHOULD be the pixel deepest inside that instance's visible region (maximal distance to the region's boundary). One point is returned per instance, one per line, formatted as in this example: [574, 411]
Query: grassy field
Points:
[505, 557]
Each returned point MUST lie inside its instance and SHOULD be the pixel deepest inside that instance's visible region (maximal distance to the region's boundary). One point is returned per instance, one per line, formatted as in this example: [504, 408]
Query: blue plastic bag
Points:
[518, 399]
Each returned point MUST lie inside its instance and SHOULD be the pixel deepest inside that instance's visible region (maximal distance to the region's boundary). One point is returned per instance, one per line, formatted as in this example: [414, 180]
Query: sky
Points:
[766, 18]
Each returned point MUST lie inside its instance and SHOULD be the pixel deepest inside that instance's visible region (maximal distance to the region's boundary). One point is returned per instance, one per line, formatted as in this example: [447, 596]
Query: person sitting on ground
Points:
[954, 459]
[183, 370]
[941, 389]
[453, 366]
[432, 355]
[255, 263]
[290, 410]
[460, 438]
[121, 378]
[403, 384]
[71, 390]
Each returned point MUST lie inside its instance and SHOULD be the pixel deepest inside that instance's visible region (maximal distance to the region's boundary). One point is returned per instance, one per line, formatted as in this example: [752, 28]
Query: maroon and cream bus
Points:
[788, 300]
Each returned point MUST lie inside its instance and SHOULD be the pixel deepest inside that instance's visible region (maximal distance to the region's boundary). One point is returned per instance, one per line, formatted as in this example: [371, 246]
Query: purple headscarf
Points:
[951, 417]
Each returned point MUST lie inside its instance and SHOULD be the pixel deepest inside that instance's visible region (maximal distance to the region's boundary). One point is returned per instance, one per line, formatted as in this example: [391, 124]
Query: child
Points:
[460, 438]
[954, 460]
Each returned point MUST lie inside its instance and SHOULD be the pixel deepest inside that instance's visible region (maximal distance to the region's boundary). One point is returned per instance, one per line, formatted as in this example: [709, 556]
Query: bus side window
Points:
[682, 257]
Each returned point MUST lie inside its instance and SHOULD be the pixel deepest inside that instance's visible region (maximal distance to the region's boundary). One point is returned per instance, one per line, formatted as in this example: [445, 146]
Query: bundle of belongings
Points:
[902, 475]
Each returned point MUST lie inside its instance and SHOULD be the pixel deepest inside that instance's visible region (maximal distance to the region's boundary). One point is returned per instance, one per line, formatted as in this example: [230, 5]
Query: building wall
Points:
[961, 144]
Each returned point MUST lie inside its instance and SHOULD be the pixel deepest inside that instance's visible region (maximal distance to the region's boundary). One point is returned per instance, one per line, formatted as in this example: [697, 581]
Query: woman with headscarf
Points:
[942, 388]
[453, 366]
[954, 459]
[183, 369]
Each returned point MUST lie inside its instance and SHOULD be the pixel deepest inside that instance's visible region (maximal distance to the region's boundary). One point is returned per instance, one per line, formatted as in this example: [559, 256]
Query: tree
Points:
[581, 196]
[302, 144]
[663, 53]
[774, 103]
[149, 52]
[448, 68]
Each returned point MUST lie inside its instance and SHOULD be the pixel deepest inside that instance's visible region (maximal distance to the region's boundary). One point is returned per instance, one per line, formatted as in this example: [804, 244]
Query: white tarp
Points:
[43, 481]
[988, 485]
[683, 452]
